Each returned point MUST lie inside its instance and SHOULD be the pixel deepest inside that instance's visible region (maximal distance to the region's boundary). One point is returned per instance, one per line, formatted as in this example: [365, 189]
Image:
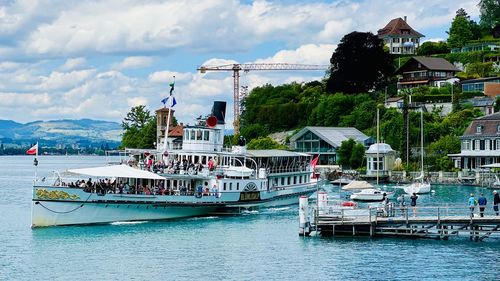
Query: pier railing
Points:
[339, 211]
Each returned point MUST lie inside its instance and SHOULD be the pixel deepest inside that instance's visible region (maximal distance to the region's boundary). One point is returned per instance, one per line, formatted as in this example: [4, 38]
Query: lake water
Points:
[261, 245]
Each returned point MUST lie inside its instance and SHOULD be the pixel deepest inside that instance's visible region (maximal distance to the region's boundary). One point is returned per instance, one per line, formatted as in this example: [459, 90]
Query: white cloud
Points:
[166, 77]
[73, 63]
[136, 101]
[134, 62]
[305, 54]
[65, 80]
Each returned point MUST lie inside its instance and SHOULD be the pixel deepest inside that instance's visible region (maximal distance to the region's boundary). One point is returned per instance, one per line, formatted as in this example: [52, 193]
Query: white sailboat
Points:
[419, 186]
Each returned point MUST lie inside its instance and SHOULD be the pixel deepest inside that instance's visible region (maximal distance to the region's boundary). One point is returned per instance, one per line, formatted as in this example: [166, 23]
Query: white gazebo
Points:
[380, 158]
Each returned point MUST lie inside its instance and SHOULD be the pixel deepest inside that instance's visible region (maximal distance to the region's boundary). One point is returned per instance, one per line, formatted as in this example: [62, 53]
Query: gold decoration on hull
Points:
[42, 193]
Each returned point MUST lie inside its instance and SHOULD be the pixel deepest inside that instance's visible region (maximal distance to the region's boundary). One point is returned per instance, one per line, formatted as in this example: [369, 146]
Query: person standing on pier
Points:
[472, 204]
[496, 201]
[413, 203]
[482, 204]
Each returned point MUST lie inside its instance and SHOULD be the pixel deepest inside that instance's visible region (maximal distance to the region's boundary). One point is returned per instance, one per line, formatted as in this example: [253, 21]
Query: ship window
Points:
[300, 179]
[192, 135]
[205, 135]
[237, 186]
[224, 186]
[230, 186]
[294, 180]
[282, 181]
[198, 135]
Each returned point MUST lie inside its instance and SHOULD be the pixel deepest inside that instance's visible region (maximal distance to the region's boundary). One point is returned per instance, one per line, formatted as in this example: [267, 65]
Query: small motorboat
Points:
[371, 194]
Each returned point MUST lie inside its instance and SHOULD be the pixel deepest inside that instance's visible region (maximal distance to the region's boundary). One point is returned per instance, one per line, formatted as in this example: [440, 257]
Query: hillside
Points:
[64, 131]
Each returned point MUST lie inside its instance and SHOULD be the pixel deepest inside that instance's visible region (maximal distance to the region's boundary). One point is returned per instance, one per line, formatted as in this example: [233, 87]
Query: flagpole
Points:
[168, 119]
[36, 162]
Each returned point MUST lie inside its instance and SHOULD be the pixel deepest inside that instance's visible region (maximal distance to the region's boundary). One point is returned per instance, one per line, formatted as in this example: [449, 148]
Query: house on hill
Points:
[489, 86]
[400, 37]
[420, 71]
[480, 143]
[325, 141]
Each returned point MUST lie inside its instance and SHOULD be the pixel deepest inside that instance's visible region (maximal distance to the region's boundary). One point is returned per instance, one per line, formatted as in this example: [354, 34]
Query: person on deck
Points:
[496, 201]
[472, 204]
[481, 201]
[413, 203]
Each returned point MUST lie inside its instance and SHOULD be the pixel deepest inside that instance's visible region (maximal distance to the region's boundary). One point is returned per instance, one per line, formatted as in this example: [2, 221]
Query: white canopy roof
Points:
[357, 185]
[116, 171]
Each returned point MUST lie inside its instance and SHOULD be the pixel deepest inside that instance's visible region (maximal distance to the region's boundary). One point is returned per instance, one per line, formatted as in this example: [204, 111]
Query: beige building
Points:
[400, 37]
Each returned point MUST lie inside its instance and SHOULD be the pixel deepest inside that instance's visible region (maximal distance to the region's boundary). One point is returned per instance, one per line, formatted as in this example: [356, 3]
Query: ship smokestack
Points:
[219, 111]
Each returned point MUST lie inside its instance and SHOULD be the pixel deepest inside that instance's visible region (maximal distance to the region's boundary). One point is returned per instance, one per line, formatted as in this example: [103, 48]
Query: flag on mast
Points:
[33, 150]
[171, 97]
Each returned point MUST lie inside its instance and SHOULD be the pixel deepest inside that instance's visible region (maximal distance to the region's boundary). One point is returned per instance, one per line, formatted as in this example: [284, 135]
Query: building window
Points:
[476, 144]
[479, 129]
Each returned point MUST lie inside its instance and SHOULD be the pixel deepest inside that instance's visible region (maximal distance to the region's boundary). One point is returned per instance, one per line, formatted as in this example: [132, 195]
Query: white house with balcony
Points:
[480, 143]
[399, 37]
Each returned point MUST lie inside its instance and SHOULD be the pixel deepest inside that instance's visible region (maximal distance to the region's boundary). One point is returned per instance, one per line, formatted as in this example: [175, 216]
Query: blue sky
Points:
[97, 59]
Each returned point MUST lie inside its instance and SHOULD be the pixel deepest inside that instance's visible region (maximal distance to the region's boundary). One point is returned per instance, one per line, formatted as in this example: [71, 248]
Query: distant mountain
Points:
[64, 131]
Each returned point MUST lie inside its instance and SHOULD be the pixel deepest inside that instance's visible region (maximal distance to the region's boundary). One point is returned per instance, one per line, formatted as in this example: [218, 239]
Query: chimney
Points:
[404, 18]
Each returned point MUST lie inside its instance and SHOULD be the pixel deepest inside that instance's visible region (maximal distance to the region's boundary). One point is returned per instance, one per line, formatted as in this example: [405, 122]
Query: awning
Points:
[357, 185]
[495, 165]
[116, 171]
[413, 82]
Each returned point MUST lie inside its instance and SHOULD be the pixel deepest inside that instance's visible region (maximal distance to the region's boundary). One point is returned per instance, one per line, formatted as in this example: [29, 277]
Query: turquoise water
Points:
[261, 245]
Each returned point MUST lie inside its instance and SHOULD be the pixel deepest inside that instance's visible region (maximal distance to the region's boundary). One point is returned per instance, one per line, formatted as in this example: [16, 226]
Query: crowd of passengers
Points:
[104, 186]
[173, 166]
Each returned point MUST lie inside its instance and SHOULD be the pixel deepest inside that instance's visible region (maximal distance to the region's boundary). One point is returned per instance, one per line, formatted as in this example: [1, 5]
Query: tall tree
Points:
[359, 64]
[139, 128]
[461, 30]
[490, 13]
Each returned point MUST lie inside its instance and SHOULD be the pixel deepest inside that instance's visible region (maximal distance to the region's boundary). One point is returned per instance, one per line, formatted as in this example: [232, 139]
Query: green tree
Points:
[432, 48]
[359, 64]
[490, 13]
[350, 154]
[479, 69]
[139, 128]
[357, 156]
[460, 31]
[265, 143]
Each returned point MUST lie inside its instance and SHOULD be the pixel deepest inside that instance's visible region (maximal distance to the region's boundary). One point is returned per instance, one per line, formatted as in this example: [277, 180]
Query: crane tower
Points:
[237, 67]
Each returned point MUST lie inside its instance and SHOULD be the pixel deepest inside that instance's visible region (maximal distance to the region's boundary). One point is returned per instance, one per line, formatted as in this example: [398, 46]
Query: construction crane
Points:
[237, 67]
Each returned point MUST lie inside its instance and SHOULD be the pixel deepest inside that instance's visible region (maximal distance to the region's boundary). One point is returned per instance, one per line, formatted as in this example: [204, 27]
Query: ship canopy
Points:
[116, 171]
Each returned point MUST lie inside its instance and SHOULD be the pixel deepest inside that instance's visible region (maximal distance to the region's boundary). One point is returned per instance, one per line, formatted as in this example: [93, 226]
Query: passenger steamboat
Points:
[194, 175]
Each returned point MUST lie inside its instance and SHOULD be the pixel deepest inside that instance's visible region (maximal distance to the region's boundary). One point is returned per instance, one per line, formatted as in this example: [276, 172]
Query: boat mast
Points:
[422, 141]
[378, 134]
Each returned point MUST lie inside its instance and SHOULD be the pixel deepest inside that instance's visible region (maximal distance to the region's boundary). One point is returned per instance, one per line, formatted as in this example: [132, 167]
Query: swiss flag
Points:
[33, 150]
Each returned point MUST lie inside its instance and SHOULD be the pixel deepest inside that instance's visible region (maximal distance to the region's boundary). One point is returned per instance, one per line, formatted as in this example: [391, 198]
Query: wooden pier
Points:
[433, 222]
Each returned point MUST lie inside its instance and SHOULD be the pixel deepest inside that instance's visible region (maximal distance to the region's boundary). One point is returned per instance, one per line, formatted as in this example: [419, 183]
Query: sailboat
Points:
[419, 186]
[366, 192]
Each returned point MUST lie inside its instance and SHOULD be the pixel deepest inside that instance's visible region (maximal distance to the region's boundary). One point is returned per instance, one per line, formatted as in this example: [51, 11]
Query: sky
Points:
[74, 59]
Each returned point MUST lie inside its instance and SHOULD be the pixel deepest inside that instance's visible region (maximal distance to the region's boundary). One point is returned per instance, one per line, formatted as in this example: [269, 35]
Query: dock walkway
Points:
[434, 222]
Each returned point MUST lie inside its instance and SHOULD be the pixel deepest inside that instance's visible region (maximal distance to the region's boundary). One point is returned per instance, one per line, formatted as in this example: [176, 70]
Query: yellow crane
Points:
[237, 67]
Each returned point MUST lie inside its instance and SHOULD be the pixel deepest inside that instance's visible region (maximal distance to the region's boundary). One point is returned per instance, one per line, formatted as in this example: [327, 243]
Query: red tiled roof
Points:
[176, 131]
[395, 27]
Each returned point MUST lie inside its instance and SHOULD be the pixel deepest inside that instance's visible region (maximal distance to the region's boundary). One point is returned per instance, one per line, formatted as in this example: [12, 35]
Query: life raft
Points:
[349, 204]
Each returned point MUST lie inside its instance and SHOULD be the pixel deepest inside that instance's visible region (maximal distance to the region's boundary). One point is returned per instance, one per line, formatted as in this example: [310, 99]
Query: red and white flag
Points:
[314, 162]
[33, 150]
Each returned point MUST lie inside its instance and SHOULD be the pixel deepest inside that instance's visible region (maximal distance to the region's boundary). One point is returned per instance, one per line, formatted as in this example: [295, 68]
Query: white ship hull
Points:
[53, 206]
